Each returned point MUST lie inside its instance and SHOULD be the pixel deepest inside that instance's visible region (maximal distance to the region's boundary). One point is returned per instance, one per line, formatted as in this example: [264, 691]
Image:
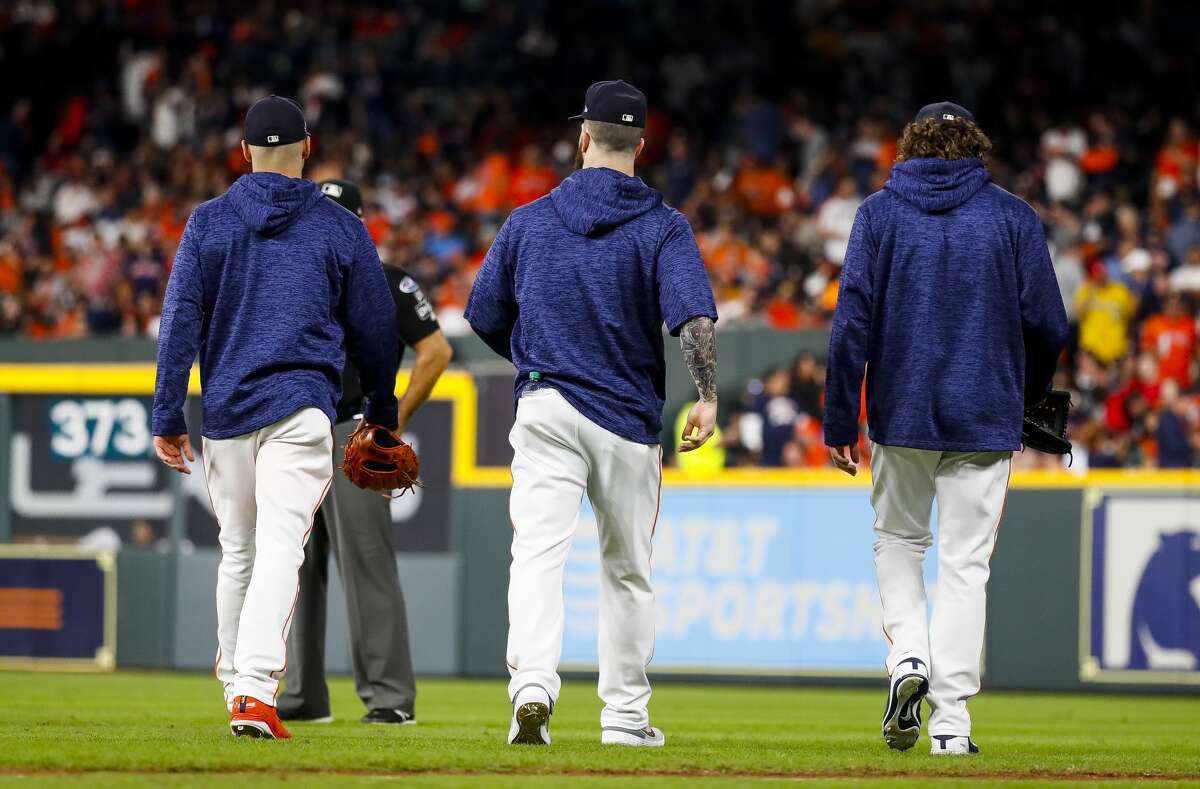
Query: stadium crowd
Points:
[767, 130]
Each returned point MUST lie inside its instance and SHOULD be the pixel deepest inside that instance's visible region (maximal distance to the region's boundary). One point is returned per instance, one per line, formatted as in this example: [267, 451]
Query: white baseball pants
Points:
[970, 488]
[559, 455]
[265, 488]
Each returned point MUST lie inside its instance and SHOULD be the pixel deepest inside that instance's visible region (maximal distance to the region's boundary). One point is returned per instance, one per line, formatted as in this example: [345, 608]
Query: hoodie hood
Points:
[594, 200]
[269, 202]
[937, 185]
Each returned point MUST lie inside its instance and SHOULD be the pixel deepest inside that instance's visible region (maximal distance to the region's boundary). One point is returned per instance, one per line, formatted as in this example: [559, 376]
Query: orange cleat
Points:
[253, 718]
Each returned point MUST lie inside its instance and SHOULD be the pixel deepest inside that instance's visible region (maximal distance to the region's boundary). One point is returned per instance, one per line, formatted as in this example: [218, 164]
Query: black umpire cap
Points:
[344, 193]
[943, 111]
[274, 121]
[614, 101]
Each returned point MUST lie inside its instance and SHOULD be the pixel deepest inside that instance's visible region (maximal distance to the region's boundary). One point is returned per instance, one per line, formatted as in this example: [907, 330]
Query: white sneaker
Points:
[952, 745]
[531, 717]
[902, 719]
[648, 737]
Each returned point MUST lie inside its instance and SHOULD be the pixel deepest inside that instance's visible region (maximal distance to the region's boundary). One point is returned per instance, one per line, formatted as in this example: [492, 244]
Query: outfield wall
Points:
[776, 581]
[760, 574]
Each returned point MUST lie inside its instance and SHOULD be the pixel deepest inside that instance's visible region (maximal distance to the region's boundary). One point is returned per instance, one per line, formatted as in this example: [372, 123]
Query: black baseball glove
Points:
[1045, 427]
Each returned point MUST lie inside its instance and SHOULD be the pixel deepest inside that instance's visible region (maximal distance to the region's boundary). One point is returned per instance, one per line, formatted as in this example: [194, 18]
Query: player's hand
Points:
[701, 423]
[171, 450]
[846, 458]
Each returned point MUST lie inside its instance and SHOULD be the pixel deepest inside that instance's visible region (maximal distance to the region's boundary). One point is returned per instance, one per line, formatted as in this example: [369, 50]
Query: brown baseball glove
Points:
[377, 459]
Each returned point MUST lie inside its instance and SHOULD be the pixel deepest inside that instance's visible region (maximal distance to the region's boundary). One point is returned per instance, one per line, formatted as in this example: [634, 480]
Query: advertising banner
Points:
[57, 608]
[1140, 601]
[778, 581]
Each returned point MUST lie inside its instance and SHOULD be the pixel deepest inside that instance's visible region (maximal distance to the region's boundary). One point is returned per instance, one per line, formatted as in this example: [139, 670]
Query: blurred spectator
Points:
[763, 189]
[1068, 269]
[808, 385]
[1174, 440]
[1171, 336]
[1063, 146]
[777, 412]
[1186, 278]
[1175, 167]
[532, 177]
[1185, 233]
[680, 171]
[1105, 308]
[835, 220]
[812, 150]
[142, 534]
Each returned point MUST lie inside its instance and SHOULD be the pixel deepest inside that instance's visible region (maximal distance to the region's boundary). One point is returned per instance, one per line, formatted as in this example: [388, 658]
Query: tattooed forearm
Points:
[699, 344]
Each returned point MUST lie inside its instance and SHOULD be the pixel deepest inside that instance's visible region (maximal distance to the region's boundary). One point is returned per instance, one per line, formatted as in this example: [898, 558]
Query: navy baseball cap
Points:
[943, 111]
[274, 121]
[614, 101]
[344, 193]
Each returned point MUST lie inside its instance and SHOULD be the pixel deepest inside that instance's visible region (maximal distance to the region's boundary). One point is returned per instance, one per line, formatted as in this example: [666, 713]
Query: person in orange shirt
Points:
[729, 257]
[1171, 336]
[491, 178]
[808, 446]
[763, 189]
[532, 178]
[378, 224]
[1179, 153]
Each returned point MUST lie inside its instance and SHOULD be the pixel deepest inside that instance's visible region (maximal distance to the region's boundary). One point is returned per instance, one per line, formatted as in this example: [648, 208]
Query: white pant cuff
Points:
[256, 690]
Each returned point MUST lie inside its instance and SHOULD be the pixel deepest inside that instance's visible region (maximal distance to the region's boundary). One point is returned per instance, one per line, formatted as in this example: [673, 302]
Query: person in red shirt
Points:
[782, 312]
[1143, 382]
[1171, 336]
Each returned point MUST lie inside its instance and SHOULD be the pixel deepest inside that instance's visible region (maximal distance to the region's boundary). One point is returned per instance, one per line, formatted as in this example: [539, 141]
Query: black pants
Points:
[357, 526]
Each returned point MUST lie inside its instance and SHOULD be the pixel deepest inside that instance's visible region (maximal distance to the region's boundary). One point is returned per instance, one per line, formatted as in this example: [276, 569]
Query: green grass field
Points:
[154, 729]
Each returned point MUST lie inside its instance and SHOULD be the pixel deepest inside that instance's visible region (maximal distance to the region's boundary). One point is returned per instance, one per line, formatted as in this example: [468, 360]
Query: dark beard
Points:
[579, 156]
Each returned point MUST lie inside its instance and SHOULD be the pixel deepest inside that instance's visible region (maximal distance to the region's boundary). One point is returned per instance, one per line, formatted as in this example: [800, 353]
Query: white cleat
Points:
[902, 719]
[952, 745]
[648, 737]
[531, 717]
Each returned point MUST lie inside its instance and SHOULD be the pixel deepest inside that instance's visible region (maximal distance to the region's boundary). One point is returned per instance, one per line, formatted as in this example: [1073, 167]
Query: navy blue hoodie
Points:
[272, 284]
[577, 286]
[949, 300]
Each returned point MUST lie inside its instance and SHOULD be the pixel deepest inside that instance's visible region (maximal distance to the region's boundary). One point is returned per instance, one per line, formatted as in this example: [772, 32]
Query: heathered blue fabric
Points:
[272, 283]
[577, 286]
[949, 299]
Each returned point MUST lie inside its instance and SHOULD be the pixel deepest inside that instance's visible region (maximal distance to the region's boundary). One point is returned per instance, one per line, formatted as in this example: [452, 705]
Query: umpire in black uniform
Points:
[357, 525]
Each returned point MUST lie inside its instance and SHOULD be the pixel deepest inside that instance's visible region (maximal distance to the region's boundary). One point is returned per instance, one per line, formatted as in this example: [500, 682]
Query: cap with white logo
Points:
[344, 193]
[614, 101]
[275, 120]
[943, 111]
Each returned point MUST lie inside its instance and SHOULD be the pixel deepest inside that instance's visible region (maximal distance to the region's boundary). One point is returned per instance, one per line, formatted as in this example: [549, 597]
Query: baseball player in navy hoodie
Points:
[272, 284]
[575, 291]
[949, 304]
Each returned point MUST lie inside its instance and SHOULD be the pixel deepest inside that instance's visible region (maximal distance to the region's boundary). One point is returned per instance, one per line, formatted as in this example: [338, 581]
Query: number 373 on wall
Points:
[100, 428]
